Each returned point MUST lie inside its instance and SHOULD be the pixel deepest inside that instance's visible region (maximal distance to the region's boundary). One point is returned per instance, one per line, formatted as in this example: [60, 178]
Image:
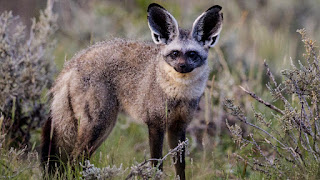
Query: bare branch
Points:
[269, 73]
[262, 101]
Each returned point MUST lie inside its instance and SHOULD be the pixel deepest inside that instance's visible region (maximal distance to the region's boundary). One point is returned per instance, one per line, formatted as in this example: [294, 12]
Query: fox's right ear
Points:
[163, 26]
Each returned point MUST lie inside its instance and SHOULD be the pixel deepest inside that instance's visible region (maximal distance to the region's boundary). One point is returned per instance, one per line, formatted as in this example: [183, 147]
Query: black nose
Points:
[182, 66]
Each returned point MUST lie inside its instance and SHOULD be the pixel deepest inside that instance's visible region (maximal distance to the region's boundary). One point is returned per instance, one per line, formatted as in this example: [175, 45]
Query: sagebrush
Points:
[287, 143]
[26, 72]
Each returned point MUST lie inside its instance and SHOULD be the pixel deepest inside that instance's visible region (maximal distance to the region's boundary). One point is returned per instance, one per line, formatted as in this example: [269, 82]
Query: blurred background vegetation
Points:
[253, 31]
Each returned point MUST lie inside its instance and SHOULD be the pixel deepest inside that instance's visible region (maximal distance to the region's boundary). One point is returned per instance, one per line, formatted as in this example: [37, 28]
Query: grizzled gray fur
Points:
[159, 83]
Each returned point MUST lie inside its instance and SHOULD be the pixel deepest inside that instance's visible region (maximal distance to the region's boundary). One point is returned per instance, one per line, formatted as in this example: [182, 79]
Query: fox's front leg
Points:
[156, 135]
[176, 134]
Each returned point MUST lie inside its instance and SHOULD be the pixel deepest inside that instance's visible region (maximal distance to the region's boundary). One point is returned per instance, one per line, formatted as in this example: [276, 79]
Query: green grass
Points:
[128, 145]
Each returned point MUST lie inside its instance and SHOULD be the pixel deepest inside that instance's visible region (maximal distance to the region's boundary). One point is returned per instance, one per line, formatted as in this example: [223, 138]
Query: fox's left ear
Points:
[206, 28]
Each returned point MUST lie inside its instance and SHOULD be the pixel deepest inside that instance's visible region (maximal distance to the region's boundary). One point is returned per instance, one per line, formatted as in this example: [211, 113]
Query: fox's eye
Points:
[192, 54]
[174, 54]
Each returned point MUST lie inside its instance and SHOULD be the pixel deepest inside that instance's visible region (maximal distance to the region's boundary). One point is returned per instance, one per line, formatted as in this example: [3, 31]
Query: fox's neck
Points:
[181, 85]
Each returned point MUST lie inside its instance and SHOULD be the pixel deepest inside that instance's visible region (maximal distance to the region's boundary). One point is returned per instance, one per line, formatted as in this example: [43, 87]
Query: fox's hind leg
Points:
[96, 121]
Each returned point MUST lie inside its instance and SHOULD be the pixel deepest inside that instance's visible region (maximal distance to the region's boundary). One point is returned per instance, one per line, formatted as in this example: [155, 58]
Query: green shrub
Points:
[286, 144]
[26, 72]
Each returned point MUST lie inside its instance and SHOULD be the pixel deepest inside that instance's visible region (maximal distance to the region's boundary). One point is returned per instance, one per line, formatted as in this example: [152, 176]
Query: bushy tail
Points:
[49, 156]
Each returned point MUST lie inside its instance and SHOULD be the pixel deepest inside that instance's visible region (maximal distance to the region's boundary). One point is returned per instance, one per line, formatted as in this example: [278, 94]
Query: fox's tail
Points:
[49, 156]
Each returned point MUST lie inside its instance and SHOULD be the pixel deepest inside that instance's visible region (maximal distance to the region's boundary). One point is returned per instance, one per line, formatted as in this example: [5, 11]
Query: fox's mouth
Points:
[183, 70]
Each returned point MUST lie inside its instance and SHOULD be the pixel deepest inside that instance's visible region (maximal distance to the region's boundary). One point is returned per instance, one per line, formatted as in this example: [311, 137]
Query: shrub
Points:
[288, 144]
[26, 72]
[18, 163]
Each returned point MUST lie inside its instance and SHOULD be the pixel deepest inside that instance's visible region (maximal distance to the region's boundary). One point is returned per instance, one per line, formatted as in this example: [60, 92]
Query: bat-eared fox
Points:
[159, 83]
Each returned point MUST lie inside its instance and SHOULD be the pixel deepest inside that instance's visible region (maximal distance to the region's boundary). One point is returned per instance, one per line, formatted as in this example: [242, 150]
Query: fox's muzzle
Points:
[183, 68]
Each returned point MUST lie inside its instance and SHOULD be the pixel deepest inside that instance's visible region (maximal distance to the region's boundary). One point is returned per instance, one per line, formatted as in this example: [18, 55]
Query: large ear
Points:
[163, 26]
[206, 28]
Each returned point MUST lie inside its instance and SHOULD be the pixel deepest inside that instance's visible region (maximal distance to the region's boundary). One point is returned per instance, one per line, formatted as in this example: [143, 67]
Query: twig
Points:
[131, 174]
[260, 151]
[171, 152]
[243, 119]
[251, 165]
[302, 101]
[269, 73]
[262, 101]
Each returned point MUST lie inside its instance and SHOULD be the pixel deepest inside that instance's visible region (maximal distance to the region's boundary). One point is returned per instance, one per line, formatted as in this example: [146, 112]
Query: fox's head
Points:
[184, 50]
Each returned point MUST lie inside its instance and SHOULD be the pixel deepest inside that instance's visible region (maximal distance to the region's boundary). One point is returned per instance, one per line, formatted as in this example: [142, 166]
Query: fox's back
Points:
[123, 66]
[114, 57]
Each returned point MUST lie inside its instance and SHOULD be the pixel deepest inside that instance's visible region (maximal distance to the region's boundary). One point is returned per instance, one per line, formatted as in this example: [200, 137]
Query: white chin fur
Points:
[182, 85]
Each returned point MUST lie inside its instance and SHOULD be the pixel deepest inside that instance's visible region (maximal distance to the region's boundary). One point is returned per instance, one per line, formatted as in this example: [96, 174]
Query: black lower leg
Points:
[156, 142]
[177, 134]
